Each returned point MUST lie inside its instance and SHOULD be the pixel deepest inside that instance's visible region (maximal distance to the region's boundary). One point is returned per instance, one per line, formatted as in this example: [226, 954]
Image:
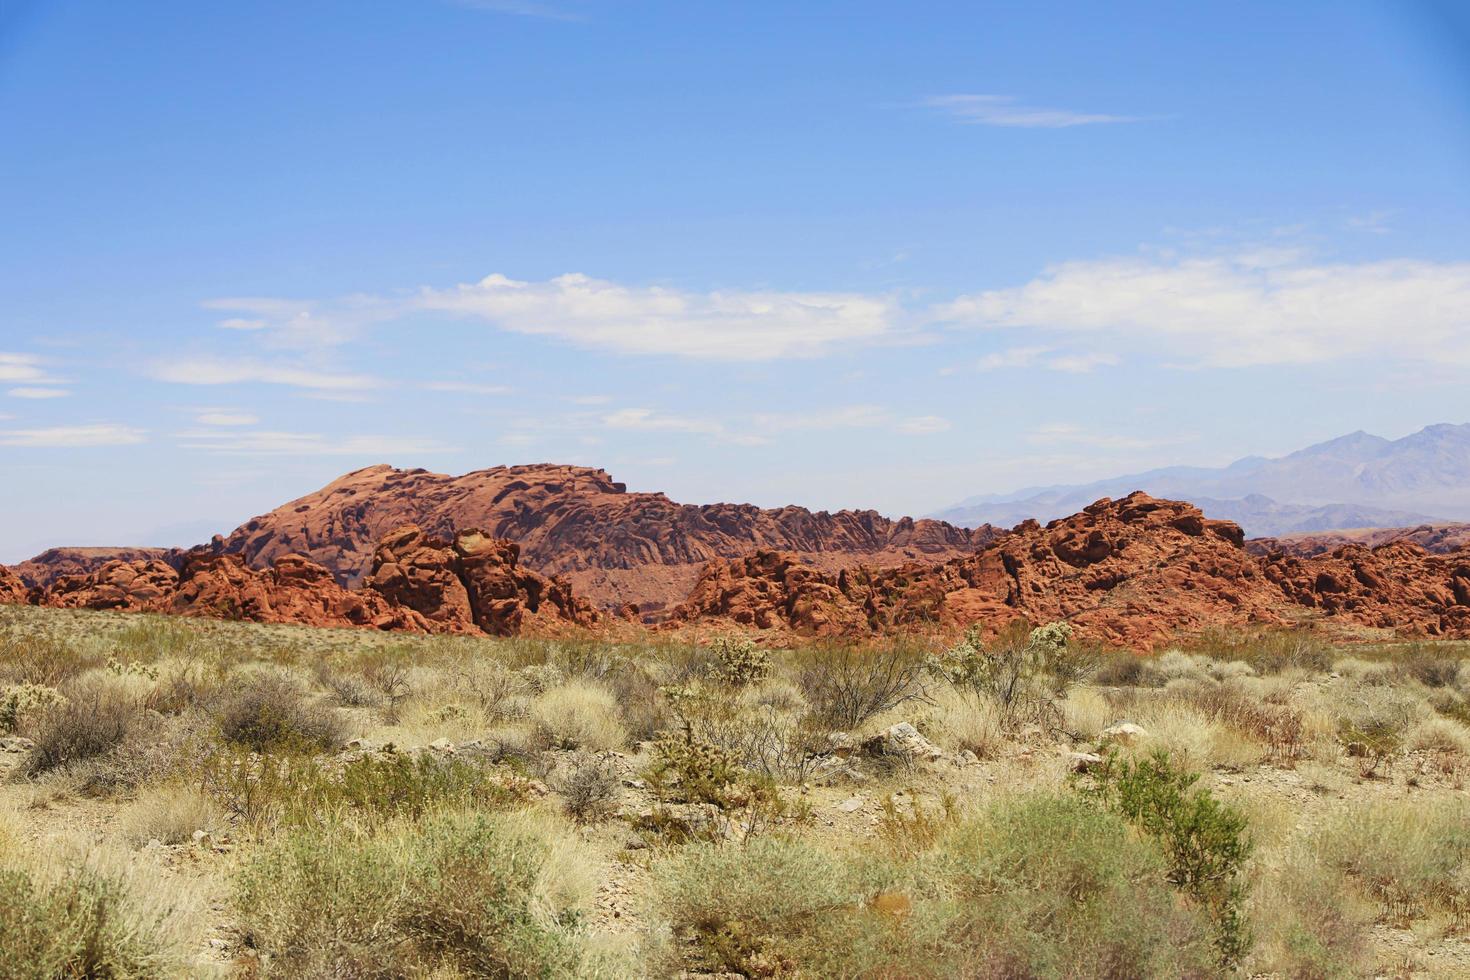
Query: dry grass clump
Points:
[92, 721]
[965, 723]
[169, 813]
[588, 786]
[1037, 885]
[1411, 855]
[71, 909]
[579, 715]
[293, 790]
[1308, 923]
[269, 711]
[456, 894]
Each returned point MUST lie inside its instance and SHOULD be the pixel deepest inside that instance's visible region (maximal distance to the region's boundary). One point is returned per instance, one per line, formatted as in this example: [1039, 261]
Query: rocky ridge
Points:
[471, 585]
[612, 546]
[1135, 572]
[54, 564]
[1439, 539]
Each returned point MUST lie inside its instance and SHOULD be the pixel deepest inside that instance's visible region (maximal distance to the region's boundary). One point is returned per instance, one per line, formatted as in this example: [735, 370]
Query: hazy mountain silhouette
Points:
[1356, 480]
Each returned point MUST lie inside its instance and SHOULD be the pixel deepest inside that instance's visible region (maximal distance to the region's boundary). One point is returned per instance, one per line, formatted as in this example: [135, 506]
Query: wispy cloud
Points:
[221, 371]
[259, 443]
[721, 325]
[521, 8]
[38, 392]
[72, 436]
[21, 367]
[467, 388]
[1240, 311]
[924, 425]
[1006, 110]
[761, 429]
[228, 419]
[596, 314]
[1044, 357]
[1071, 433]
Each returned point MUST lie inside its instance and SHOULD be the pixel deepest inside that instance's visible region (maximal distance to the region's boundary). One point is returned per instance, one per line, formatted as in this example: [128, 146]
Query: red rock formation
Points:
[1133, 572]
[123, 585]
[1398, 586]
[613, 546]
[473, 585]
[54, 564]
[295, 590]
[1441, 539]
[13, 590]
[771, 589]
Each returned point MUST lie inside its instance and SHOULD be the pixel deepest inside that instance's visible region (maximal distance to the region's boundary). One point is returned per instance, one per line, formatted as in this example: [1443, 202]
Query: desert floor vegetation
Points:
[197, 798]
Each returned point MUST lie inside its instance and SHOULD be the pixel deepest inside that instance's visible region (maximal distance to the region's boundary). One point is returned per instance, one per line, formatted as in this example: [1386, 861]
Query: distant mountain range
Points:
[1358, 480]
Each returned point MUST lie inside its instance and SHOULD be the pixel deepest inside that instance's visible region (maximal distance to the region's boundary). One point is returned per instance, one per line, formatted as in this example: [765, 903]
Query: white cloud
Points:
[72, 436]
[1081, 363]
[1043, 357]
[846, 417]
[21, 367]
[729, 325]
[219, 371]
[647, 420]
[521, 8]
[300, 324]
[924, 425]
[467, 387]
[1004, 110]
[226, 418]
[38, 392]
[1243, 310]
[29, 371]
[721, 325]
[257, 443]
[1070, 433]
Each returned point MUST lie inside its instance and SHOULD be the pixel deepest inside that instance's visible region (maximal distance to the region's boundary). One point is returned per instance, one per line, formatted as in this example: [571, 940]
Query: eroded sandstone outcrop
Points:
[294, 590]
[772, 589]
[13, 591]
[472, 584]
[1134, 571]
[54, 564]
[612, 546]
[1398, 586]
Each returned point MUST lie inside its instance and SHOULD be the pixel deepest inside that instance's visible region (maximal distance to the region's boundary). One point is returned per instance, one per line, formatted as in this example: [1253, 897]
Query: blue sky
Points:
[835, 254]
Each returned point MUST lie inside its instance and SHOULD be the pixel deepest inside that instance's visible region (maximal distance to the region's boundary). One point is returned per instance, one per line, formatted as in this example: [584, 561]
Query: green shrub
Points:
[1033, 886]
[774, 907]
[1046, 885]
[739, 662]
[1024, 671]
[271, 712]
[458, 893]
[1205, 840]
[23, 701]
[80, 926]
[297, 790]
